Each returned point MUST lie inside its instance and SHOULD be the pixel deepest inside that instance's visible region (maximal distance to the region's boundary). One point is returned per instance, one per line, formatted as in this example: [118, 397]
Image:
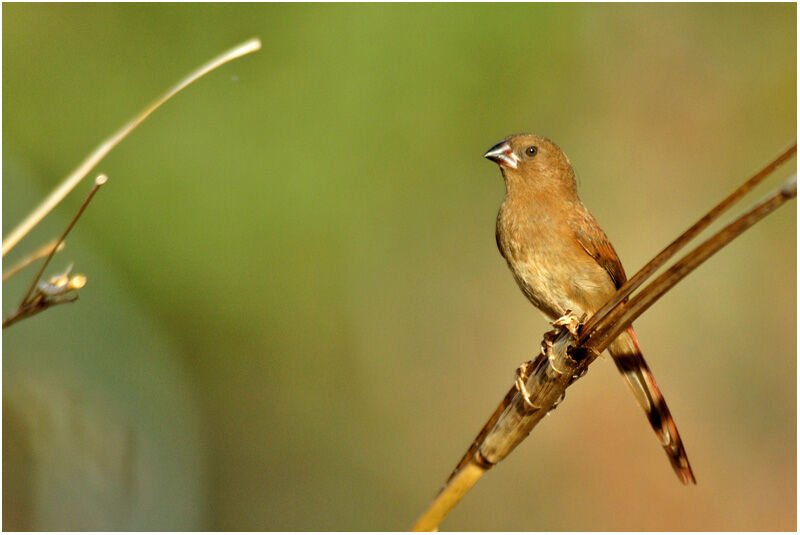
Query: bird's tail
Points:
[628, 357]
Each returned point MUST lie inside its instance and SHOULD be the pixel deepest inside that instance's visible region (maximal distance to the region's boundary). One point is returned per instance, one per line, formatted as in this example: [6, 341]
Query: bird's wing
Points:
[628, 356]
[595, 242]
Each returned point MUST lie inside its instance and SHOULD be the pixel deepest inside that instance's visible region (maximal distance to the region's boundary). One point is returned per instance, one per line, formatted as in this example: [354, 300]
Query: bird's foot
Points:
[570, 321]
[523, 372]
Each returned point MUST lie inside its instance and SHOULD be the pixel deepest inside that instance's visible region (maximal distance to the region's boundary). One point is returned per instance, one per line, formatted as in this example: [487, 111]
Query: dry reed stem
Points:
[661, 258]
[74, 178]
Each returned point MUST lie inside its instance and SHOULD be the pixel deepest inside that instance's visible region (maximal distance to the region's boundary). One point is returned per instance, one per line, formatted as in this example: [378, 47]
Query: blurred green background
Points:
[296, 316]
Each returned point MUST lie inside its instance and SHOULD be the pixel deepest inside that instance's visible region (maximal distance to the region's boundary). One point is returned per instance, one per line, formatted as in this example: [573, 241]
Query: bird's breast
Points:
[553, 272]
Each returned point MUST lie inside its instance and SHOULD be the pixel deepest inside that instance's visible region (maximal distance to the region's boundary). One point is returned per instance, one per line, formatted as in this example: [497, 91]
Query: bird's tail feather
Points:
[628, 357]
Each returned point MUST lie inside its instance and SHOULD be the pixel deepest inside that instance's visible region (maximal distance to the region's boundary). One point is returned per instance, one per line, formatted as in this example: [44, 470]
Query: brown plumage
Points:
[562, 260]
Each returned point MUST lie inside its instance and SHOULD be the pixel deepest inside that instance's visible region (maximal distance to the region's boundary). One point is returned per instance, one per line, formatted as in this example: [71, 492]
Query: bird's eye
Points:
[531, 151]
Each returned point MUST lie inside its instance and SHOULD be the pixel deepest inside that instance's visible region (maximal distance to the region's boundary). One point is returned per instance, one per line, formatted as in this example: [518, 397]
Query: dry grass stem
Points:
[74, 178]
[99, 181]
[56, 292]
[37, 304]
[42, 251]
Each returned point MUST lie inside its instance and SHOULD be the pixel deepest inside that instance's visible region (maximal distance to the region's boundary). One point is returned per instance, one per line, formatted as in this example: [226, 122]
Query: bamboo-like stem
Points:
[661, 258]
[488, 426]
[565, 358]
[458, 486]
[99, 181]
[74, 178]
[42, 251]
[605, 333]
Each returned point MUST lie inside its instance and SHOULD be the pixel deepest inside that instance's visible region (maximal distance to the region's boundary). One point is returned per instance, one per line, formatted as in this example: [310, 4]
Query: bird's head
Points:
[528, 160]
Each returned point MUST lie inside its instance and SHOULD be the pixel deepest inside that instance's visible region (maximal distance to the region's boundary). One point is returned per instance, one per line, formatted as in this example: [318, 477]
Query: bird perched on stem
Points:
[563, 262]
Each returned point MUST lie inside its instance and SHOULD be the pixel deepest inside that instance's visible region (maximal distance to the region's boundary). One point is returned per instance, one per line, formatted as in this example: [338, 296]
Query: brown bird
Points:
[563, 261]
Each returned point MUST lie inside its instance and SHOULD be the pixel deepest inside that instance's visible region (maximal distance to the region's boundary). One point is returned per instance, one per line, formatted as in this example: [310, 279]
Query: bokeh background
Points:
[296, 317]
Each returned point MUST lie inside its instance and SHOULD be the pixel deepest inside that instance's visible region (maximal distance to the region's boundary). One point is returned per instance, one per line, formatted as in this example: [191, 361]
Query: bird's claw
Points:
[569, 321]
[523, 372]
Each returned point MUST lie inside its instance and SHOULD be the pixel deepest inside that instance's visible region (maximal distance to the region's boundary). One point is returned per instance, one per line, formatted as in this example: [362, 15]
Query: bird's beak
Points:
[502, 155]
